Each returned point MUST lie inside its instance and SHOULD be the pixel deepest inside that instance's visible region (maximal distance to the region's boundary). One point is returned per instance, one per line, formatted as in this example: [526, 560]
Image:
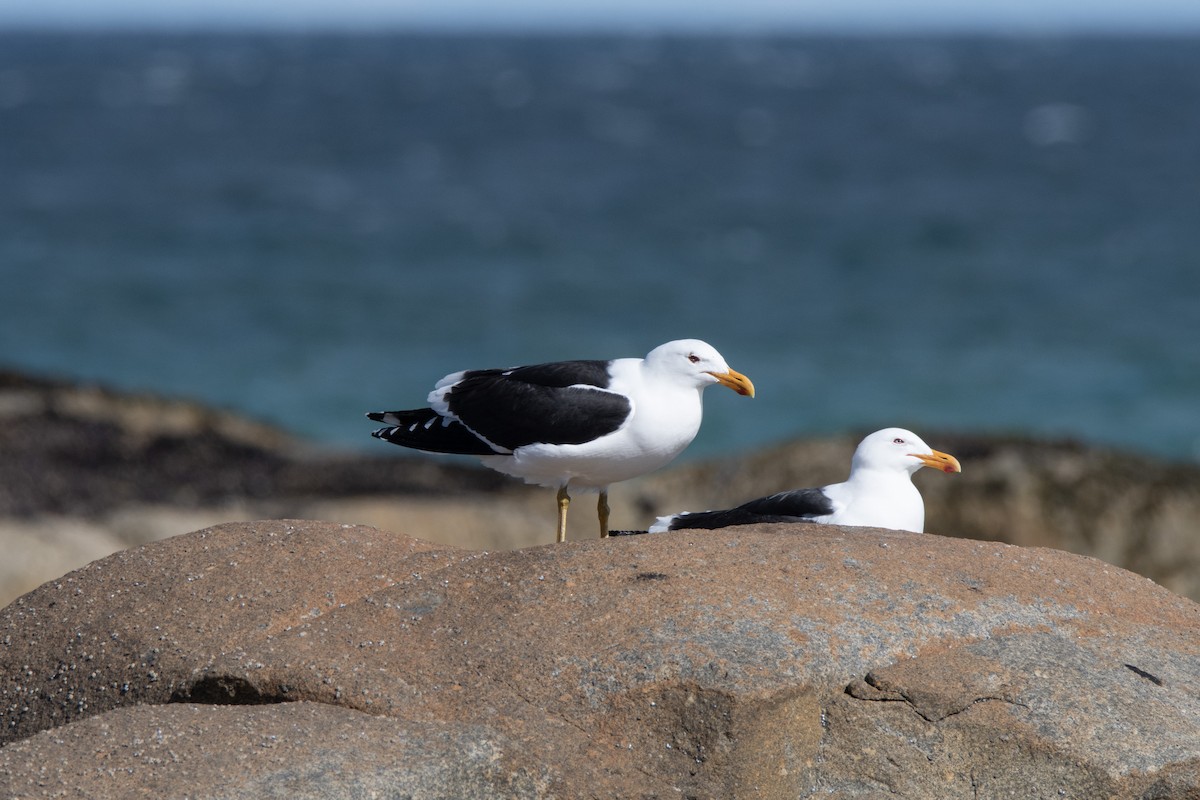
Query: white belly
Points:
[652, 437]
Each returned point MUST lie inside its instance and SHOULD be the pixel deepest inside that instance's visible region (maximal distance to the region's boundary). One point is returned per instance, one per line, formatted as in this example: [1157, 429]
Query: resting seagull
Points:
[879, 492]
[570, 424]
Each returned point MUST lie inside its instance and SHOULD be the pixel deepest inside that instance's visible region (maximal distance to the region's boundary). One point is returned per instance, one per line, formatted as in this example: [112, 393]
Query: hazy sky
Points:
[884, 15]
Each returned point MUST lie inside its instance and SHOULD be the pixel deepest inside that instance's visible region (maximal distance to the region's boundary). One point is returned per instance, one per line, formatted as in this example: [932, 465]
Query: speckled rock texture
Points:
[309, 659]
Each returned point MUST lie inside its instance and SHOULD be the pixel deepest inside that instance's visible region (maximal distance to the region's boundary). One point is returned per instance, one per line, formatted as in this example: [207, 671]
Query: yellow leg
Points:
[564, 500]
[602, 512]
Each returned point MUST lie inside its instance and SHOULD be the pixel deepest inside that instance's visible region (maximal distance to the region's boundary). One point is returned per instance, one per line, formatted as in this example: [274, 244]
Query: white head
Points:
[691, 360]
[898, 450]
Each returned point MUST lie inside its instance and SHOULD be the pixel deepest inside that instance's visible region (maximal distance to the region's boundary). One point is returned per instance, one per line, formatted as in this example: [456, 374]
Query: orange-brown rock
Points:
[319, 660]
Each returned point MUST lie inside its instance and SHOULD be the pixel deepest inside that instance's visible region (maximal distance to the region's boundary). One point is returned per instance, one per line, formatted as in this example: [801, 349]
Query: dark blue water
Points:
[974, 234]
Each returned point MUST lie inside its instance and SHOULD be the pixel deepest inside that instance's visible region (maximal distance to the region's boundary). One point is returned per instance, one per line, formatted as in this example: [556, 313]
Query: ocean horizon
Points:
[950, 233]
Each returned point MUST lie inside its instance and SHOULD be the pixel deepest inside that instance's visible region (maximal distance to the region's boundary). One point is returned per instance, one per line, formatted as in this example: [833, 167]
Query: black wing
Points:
[561, 373]
[800, 505]
[564, 402]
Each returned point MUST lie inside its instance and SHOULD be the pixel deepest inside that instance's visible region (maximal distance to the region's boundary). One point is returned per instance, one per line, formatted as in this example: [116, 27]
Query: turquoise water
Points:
[962, 234]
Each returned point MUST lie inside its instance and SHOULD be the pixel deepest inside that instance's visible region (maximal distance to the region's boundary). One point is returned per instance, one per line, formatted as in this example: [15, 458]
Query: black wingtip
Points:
[424, 429]
[625, 533]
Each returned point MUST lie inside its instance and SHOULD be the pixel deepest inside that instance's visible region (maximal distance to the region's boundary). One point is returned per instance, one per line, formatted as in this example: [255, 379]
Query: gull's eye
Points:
[897, 440]
[692, 357]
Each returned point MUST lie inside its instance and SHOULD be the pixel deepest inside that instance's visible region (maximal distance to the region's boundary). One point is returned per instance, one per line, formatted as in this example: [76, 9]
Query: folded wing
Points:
[799, 505]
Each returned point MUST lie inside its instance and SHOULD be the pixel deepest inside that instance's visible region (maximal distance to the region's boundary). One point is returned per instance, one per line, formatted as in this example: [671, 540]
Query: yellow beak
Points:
[736, 381]
[939, 461]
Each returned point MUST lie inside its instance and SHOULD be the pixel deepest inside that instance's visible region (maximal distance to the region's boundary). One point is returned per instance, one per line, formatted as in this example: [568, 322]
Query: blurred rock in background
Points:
[86, 471]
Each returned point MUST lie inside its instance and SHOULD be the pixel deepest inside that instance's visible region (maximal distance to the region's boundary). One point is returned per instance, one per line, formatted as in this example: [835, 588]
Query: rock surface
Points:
[308, 659]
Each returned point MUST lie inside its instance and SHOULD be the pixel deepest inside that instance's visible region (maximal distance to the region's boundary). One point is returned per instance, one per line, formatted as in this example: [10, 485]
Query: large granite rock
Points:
[303, 659]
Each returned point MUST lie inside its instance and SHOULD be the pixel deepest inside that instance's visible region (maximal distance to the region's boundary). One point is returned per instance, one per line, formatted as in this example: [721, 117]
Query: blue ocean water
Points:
[983, 234]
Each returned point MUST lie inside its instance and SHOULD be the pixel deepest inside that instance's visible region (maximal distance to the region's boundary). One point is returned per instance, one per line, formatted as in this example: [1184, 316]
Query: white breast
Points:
[877, 500]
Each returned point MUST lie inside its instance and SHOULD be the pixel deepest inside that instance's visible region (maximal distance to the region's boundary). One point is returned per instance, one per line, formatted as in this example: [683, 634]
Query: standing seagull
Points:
[570, 424]
[879, 492]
